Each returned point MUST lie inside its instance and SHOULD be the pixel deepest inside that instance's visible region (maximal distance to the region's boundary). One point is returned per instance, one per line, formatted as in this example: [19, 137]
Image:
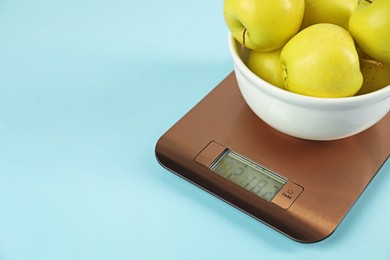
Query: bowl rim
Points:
[364, 99]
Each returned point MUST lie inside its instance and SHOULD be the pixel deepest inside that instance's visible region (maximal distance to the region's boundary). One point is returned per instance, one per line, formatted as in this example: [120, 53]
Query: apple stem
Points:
[374, 62]
[368, 1]
[243, 38]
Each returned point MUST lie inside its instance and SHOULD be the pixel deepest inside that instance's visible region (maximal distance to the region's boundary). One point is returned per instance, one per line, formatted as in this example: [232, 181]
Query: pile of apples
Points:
[321, 48]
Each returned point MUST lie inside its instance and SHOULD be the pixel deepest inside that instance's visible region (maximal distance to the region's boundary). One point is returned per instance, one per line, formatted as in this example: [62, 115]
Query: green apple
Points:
[321, 61]
[369, 25]
[376, 75]
[328, 11]
[263, 25]
[267, 66]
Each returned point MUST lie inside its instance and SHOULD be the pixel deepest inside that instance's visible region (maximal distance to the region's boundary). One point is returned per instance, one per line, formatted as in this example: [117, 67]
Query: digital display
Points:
[248, 175]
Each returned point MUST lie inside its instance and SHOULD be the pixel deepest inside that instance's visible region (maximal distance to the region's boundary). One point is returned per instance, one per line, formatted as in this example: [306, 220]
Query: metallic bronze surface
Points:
[331, 174]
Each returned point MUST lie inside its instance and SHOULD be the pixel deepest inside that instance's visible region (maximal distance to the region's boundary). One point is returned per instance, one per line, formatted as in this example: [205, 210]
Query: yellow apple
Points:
[369, 25]
[321, 61]
[376, 75]
[328, 11]
[263, 25]
[267, 66]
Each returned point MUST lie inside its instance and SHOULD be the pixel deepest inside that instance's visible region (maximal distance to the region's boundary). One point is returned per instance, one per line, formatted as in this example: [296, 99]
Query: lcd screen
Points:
[248, 175]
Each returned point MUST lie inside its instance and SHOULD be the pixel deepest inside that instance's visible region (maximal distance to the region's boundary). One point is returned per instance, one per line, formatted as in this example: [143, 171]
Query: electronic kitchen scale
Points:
[301, 188]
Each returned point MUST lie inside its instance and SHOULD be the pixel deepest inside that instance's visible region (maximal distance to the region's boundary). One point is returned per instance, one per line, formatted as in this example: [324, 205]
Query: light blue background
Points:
[86, 89]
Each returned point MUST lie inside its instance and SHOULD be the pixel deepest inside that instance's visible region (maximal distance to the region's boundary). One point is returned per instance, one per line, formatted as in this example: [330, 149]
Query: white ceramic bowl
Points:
[303, 116]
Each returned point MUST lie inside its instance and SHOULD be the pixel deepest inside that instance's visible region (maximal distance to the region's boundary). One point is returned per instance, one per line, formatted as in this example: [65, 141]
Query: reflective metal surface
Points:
[332, 174]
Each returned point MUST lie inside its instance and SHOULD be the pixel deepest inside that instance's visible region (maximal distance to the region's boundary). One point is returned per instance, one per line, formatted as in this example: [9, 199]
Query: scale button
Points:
[210, 153]
[287, 195]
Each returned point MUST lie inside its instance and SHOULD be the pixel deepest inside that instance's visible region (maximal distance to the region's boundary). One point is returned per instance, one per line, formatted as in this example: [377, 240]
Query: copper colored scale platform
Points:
[316, 182]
